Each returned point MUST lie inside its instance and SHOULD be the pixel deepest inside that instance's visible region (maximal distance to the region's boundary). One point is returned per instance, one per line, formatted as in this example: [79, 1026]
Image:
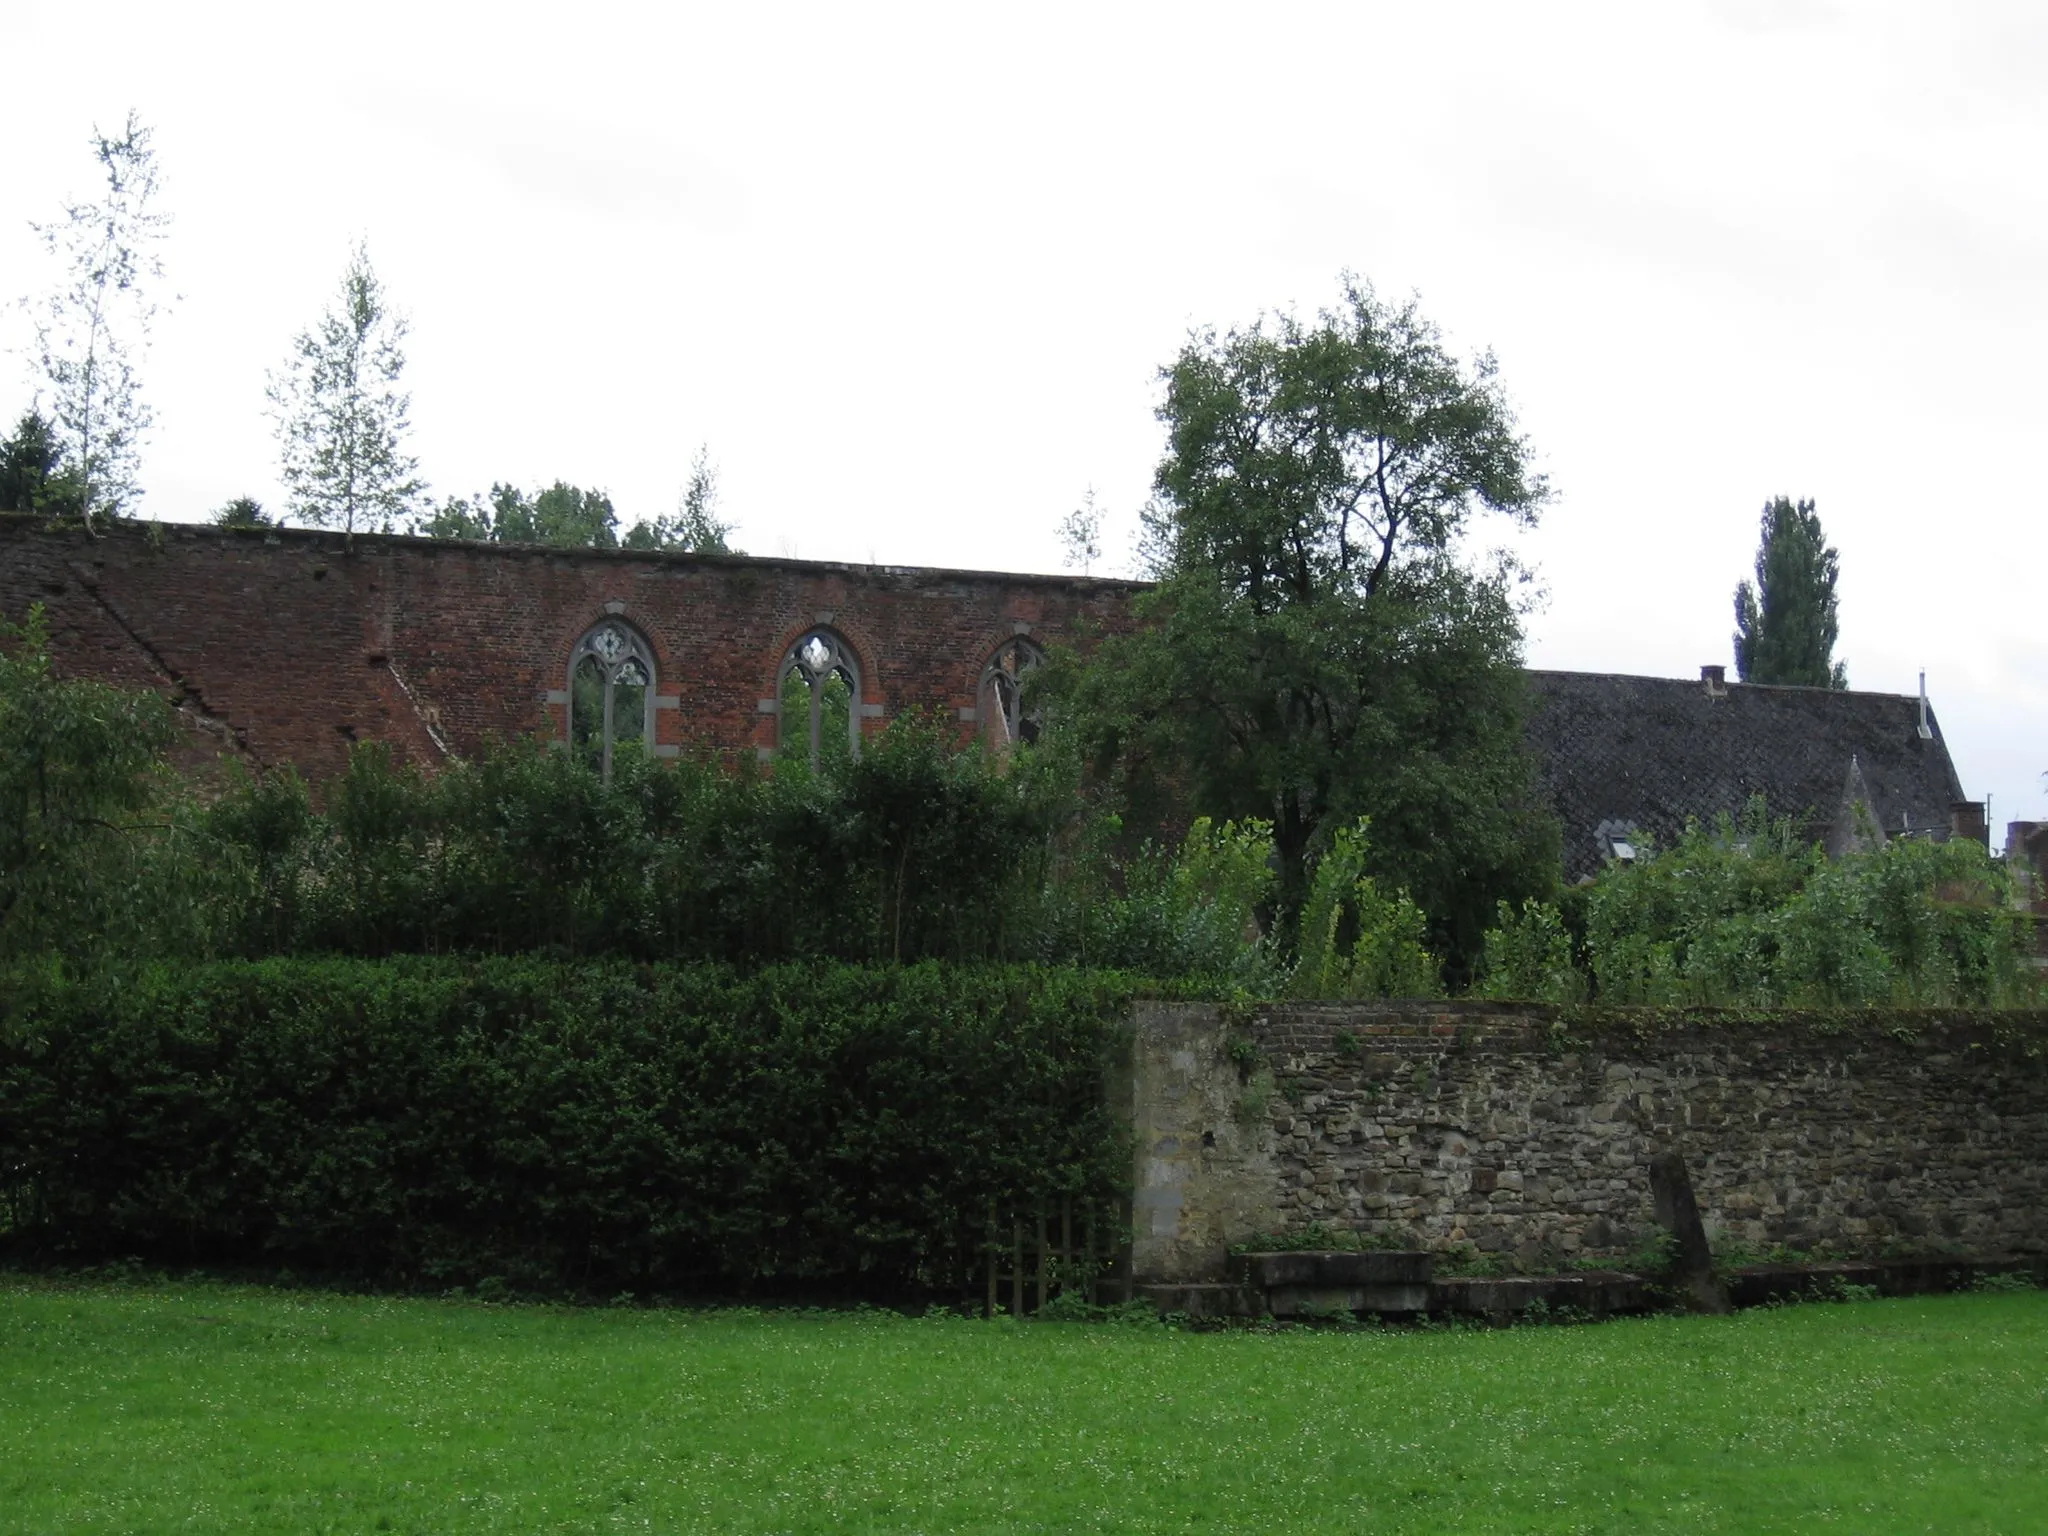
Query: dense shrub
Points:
[911, 852]
[589, 1126]
[80, 768]
[917, 849]
[1528, 955]
[1747, 912]
[1356, 940]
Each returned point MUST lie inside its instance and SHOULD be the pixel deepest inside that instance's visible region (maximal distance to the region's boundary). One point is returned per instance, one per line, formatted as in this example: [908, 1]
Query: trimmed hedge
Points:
[587, 1127]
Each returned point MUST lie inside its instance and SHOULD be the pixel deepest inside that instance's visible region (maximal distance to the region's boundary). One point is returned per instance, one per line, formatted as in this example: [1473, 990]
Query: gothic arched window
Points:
[1000, 703]
[611, 693]
[818, 701]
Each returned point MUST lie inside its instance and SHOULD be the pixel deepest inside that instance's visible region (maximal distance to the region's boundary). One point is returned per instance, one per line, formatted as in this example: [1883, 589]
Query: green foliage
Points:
[1785, 625]
[1750, 914]
[1320, 1237]
[585, 1127]
[911, 851]
[1528, 956]
[1191, 911]
[907, 853]
[243, 512]
[2003, 1284]
[79, 773]
[695, 528]
[1314, 651]
[1215, 889]
[1073, 1306]
[1356, 941]
[34, 474]
[1080, 533]
[341, 416]
[562, 515]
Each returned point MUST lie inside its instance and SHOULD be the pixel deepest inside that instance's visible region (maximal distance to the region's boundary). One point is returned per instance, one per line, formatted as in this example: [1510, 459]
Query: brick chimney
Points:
[1966, 819]
[1716, 680]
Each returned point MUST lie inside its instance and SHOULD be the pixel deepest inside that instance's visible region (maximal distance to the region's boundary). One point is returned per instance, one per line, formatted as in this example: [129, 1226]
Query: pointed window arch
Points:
[818, 701]
[1000, 698]
[611, 693]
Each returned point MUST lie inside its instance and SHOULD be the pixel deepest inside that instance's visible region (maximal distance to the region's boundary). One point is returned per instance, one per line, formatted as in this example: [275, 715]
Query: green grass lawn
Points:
[202, 1408]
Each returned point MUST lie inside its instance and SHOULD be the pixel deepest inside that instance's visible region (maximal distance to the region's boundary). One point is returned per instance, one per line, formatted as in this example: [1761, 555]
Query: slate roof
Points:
[1645, 753]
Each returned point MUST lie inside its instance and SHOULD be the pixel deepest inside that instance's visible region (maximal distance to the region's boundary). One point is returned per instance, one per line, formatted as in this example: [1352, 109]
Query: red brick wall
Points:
[287, 645]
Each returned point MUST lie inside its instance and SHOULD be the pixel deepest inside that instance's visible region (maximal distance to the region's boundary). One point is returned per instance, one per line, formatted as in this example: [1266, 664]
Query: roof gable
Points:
[1649, 753]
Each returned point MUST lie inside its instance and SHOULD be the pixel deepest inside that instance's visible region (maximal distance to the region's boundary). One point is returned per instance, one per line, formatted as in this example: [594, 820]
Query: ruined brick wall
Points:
[1447, 1123]
[286, 645]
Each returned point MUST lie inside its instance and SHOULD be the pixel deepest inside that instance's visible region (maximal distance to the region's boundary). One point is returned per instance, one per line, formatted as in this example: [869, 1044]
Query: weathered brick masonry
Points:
[1448, 1123]
[287, 645]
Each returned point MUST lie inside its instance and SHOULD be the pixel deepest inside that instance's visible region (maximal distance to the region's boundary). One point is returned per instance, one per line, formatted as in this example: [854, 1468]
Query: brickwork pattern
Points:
[288, 645]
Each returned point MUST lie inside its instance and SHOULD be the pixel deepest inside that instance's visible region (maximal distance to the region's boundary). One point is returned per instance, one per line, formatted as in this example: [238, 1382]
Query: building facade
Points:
[289, 645]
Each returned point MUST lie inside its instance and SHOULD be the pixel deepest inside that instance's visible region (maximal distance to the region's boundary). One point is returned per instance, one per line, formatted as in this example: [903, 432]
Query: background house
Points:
[1628, 759]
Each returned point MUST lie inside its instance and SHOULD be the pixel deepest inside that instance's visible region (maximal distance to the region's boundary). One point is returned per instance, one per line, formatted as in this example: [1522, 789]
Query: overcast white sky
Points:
[911, 272]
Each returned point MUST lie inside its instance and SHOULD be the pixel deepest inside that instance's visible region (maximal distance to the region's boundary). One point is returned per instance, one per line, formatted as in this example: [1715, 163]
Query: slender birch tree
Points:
[696, 527]
[92, 330]
[341, 416]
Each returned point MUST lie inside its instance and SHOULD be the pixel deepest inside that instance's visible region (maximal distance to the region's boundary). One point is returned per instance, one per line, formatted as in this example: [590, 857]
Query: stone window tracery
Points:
[818, 701]
[1000, 700]
[611, 693]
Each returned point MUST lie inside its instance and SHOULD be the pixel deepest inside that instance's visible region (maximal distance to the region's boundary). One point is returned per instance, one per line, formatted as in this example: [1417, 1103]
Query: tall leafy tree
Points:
[1315, 649]
[563, 515]
[92, 329]
[1785, 624]
[33, 474]
[341, 415]
[568, 515]
[696, 527]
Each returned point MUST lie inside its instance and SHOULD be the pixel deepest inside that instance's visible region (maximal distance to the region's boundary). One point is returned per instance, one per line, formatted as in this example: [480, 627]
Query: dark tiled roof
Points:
[1646, 753]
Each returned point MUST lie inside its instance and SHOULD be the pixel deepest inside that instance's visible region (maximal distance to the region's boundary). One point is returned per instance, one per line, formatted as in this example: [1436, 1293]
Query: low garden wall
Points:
[592, 1127]
[1527, 1134]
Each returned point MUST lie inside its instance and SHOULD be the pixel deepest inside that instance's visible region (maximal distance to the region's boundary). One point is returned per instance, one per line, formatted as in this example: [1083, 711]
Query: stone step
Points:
[1315, 1301]
[1320, 1284]
[1593, 1293]
[1203, 1300]
[1756, 1285]
[1335, 1269]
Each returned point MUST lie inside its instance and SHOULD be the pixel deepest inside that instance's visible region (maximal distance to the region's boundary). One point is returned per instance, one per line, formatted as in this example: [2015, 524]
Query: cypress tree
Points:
[1785, 624]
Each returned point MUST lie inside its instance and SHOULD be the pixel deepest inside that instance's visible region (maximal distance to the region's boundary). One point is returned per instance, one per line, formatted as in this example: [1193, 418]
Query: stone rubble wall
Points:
[1529, 1136]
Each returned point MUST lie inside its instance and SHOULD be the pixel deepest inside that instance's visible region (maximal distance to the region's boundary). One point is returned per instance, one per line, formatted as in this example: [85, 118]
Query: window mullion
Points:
[610, 693]
[817, 720]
